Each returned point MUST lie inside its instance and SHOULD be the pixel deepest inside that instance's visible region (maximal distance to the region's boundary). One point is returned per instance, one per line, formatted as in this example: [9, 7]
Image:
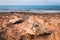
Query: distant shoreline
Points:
[31, 13]
[36, 11]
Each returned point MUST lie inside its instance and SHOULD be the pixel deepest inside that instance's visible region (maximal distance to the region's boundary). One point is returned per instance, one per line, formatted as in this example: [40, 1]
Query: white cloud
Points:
[20, 2]
[54, 1]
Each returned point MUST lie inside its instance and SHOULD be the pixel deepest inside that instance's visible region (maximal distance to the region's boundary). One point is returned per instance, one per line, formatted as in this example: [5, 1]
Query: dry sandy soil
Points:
[23, 26]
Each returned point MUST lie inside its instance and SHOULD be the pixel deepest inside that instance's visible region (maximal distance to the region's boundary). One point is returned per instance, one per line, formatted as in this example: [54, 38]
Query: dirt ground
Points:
[21, 30]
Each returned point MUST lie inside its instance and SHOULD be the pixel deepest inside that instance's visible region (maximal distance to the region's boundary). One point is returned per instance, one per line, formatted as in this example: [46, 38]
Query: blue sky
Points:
[29, 2]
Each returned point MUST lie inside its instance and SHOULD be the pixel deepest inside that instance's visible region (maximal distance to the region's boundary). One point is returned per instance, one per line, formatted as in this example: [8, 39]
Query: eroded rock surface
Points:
[17, 26]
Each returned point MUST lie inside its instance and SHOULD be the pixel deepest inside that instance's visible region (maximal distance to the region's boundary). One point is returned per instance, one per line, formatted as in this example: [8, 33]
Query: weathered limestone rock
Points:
[31, 26]
[28, 27]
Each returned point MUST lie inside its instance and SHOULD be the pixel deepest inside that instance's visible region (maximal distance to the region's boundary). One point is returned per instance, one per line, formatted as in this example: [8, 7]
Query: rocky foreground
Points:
[25, 26]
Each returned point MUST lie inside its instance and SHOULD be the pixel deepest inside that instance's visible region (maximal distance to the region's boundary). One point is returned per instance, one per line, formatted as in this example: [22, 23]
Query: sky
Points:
[29, 2]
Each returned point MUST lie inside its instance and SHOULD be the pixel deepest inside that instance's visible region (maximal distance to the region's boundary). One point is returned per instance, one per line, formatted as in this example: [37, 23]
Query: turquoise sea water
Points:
[28, 7]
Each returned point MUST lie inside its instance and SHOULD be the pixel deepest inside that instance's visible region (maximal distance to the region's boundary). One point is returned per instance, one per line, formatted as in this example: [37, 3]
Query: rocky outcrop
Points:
[18, 26]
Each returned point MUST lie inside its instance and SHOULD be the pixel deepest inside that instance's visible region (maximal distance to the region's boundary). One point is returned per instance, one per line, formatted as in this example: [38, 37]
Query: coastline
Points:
[34, 11]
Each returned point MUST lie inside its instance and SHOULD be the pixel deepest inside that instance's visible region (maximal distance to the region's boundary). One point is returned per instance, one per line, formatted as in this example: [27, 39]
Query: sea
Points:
[31, 8]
